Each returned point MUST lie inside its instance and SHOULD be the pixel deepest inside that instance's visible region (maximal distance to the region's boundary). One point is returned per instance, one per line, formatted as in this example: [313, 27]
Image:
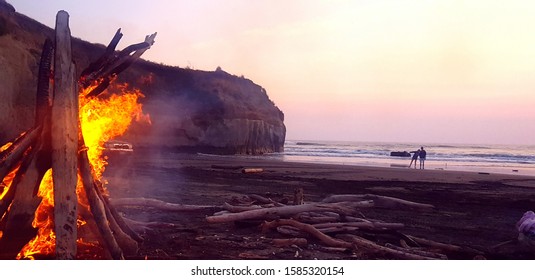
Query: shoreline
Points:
[373, 172]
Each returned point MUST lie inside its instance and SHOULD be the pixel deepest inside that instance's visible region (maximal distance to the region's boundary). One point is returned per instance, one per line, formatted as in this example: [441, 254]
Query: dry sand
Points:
[473, 210]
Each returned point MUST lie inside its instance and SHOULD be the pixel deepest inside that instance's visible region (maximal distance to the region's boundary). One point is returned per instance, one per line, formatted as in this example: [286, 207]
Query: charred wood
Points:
[22, 196]
[10, 157]
[94, 67]
[43, 98]
[16, 224]
[116, 65]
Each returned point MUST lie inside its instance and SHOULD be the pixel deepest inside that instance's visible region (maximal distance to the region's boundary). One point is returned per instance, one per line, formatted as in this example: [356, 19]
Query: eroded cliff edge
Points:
[191, 110]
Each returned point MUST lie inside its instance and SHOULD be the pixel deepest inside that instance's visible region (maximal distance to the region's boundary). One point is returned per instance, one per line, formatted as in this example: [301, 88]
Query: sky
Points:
[392, 71]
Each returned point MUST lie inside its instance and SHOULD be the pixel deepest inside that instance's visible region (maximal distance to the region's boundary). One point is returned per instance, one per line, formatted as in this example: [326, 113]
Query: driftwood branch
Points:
[106, 73]
[367, 246]
[159, 204]
[125, 241]
[374, 226]
[417, 251]
[327, 240]
[381, 201]
[97, 206]
[120, 220]
[144, 226]
[444, 246]
[287, 242]
[238, 208]
[93, 68]
[289, 210]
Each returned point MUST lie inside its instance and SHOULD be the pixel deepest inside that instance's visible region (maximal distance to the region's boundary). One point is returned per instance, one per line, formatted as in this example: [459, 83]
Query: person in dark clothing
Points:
[422, 155]
[414, 158]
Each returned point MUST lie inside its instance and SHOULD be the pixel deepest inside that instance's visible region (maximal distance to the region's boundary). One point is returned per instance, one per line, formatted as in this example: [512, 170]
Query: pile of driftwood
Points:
[56, 142]
[337, 222]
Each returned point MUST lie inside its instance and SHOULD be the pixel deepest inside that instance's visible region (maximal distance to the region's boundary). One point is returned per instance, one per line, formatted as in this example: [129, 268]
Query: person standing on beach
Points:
[414, 158]
[422, 156]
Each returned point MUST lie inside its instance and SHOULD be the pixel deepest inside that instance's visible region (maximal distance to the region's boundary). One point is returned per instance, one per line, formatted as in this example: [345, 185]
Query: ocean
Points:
[505, 159]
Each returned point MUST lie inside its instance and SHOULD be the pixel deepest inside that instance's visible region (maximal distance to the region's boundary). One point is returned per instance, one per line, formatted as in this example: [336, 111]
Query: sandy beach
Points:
[472, 210]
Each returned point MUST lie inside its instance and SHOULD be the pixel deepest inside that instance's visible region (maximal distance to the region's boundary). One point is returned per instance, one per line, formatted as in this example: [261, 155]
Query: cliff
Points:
[191, 110]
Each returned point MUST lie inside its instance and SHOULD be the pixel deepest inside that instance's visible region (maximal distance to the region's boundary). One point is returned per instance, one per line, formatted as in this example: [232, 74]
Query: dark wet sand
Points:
[472, 210]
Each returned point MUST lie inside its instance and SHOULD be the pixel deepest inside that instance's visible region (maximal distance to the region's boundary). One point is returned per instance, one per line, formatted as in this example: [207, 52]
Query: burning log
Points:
[13, 154]
[97, 206]
[64, 142]
[22, 198]
[17, 223]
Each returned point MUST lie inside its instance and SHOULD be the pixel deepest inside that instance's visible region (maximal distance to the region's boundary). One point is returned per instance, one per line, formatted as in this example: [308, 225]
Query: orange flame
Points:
[6, 146]
[6, 183]
[101, 120]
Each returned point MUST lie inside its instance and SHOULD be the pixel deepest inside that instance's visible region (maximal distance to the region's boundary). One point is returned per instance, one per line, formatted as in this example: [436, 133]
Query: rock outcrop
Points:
[191, 110]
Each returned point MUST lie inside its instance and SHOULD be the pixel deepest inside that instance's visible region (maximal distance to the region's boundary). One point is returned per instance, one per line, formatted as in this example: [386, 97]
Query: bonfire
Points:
[52, 201]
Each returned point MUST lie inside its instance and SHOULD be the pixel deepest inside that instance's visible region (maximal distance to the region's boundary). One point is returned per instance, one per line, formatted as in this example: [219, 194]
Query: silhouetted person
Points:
[422, 155]
[414, 158]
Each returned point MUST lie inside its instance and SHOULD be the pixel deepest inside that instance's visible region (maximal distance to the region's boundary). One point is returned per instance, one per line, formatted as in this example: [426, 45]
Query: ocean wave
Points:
[440, 153]
[309, 144]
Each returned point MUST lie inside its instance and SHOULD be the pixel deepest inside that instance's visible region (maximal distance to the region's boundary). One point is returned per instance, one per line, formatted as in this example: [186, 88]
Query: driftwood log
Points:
[327, 240]
[381, 201]
[159, 204]
[290, 210]
[373, 248]
[97, 206]
[64, 142]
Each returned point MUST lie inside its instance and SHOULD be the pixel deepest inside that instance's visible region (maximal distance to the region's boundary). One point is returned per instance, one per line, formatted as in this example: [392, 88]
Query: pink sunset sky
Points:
[416, 71]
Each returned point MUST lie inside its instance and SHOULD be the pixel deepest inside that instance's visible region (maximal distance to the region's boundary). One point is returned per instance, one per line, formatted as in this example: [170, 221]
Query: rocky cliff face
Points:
[191, 110]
